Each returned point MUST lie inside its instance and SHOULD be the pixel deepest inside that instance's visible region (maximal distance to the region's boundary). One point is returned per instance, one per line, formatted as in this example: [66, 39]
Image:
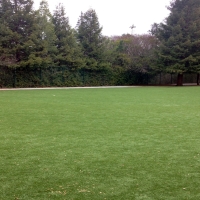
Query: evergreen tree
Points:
[5, 34]
[180, 38]
[68, 50]
[16, 24]
[119, 55]
[44, 37]
[90, 37]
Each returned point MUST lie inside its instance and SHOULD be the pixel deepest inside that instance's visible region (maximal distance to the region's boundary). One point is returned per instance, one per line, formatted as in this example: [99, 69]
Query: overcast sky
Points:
[116, 16]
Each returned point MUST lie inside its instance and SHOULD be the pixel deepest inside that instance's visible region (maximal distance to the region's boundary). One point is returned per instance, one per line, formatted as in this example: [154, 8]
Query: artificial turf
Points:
[138, 143]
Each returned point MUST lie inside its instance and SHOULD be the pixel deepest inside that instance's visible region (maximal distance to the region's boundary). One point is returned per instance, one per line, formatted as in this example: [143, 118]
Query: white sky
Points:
[116, 16]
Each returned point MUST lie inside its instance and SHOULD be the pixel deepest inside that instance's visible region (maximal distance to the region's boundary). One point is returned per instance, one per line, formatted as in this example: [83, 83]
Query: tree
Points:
[16, 24]
[180, 38]
[5, 34]
[140, 51]
[44, 38]
[91, 40]
[69, 53]
[119, 54]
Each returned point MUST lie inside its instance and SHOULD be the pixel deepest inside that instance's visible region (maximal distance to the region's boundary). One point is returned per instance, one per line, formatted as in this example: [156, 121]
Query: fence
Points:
[64, 76]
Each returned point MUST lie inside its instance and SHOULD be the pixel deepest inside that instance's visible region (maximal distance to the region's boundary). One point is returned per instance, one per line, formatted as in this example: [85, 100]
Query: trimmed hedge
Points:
[64, 77]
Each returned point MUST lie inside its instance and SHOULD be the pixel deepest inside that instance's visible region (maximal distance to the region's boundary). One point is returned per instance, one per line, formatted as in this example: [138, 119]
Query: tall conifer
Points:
[17, 22]
[90, 37]
[45, 37]
[68, 54]
[180, 38]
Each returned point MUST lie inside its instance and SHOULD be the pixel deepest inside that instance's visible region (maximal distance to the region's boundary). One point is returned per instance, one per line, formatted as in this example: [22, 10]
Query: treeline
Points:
[39, 48]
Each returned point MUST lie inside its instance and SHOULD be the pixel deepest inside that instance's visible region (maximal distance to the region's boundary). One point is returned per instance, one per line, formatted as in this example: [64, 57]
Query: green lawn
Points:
[94, 144]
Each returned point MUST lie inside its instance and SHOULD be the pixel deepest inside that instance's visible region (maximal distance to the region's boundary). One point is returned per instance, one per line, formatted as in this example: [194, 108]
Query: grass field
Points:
[94, 144]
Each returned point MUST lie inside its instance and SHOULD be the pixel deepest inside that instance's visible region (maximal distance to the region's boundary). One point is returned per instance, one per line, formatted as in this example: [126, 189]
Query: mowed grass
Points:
[118, 143]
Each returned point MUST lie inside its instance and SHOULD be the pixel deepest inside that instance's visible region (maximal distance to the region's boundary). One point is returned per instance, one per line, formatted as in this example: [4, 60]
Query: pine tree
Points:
[90, 37]
[17, 22]
[68, 50]
[180, 38]
[5, 34]
[44, 37]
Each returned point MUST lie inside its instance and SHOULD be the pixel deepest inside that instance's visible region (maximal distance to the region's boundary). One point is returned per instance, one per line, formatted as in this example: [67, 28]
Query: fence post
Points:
[83, 74]
[14, 77]
[171, 79]
[160, 78]
[197, 78]
[41, 74]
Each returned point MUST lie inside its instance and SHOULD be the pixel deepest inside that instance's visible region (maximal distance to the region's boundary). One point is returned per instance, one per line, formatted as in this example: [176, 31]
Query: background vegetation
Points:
[39, 48]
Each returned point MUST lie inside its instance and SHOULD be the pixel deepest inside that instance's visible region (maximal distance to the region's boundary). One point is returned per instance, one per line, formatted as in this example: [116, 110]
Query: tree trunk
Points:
[180, 80]
[197, 78]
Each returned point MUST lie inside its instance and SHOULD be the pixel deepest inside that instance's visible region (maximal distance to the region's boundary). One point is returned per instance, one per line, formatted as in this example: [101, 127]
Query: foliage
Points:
[33, 43]
[180, 37]
[69, 53]
[46, 49]
[16, 23]
[136, 52]
[91, 40]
